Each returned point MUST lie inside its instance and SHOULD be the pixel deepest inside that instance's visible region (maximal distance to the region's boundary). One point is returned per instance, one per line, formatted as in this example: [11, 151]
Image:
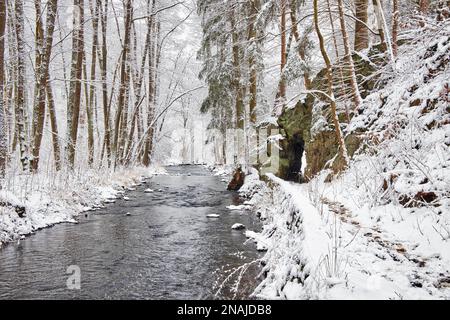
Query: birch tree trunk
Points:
[329, 74]
[20, 91]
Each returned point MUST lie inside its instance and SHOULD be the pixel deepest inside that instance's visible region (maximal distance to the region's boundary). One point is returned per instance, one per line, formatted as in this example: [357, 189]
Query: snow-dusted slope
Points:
[381, 230]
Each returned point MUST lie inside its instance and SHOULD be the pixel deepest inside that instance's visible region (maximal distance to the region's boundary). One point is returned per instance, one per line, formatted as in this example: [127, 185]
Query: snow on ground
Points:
[381, 230]
[239, 207]
[222, 170]
[324, 251]
[60, 198]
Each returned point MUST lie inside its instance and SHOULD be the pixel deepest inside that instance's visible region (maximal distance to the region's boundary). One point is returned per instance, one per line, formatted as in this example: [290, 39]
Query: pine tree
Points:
[219, 64]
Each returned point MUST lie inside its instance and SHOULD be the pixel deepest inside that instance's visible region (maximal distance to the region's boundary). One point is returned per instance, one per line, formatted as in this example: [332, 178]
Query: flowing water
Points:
[167, 248]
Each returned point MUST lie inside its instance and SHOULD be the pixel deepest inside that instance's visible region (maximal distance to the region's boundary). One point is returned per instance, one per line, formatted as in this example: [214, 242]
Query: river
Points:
[166, 248]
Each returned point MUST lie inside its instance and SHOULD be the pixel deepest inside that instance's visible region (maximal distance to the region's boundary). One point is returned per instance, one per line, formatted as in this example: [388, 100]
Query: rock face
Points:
[237, 181]
[312, 132]
[295, 125]
[324, 147]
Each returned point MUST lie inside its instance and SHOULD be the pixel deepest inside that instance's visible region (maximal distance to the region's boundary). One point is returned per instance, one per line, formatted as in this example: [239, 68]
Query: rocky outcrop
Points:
[295, 125]
[315, 136]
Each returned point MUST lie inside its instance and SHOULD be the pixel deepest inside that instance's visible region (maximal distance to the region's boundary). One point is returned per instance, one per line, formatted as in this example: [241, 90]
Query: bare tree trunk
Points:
[12, 67]
[239, 89]
[281, 97]
[103, 71]
[239, 105]
[340, 67]
[43, 54]
[424, 6]
[395, 13]
[361, 31]
[91, 105]
[252, 38]
[138, 92]
[423, 10]
[3, 140]
[38, 106]
[301, 47]
[384, 26]
[329, 74]
[348, 57]
[155, 83]
[253, 90]
[73, 108]
[20, 93]
[379, 17]
[54, 126]
[151, 91]
[123, 81]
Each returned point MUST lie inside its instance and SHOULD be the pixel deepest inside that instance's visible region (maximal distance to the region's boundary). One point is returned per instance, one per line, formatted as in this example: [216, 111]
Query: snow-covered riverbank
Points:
[61, 198]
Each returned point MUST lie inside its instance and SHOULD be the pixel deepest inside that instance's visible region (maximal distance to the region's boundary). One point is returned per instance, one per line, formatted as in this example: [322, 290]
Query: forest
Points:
[328, 121]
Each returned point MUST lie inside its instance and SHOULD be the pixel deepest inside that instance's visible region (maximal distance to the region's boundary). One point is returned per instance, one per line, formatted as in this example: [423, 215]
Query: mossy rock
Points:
[323, 148]
[296, 123]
